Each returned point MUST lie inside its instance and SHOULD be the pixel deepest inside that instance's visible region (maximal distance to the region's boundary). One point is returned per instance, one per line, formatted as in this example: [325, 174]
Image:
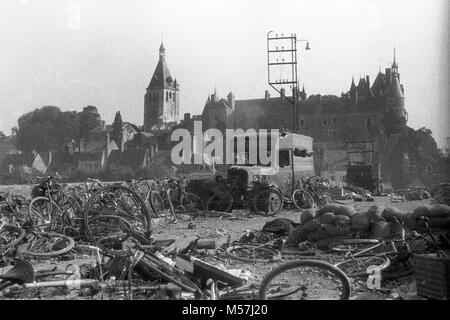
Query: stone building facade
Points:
[365, 113]
[161, 100]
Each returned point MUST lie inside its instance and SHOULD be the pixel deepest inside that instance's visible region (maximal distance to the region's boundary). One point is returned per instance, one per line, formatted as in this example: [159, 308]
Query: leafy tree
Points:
[38, 131]
[117, 131]
[88, 119]
[47, 129]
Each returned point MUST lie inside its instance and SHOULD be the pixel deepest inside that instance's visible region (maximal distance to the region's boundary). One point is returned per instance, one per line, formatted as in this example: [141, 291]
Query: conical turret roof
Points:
[395, 91]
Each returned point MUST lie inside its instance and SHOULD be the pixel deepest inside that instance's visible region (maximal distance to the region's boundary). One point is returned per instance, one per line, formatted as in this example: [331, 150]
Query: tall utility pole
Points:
[282, 59]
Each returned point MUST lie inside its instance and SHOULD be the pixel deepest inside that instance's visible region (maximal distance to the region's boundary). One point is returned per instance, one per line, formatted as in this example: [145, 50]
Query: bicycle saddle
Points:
[22, 272]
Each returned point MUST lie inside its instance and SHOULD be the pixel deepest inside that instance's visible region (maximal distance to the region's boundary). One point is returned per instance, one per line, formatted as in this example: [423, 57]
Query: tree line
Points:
[50, 129]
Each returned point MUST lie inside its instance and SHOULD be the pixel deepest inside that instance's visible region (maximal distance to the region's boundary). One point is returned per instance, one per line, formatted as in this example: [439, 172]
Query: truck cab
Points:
[295, 160]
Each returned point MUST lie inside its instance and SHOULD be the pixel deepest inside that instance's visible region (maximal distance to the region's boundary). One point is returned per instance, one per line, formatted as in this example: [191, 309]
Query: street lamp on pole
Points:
[288, 57]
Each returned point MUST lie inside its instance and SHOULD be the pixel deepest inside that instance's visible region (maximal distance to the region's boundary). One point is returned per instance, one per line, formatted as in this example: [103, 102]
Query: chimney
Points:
[49, 158]
[187, 117]
[282, 94]
[267, 95]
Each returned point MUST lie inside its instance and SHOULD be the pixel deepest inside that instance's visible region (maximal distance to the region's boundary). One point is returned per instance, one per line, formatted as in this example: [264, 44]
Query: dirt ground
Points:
[222, 230]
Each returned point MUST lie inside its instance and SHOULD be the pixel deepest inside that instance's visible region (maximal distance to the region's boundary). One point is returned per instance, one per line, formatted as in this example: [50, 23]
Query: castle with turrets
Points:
[365, 113]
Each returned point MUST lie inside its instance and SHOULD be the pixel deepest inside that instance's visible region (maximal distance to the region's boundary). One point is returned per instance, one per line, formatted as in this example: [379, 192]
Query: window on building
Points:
[334, 123]
[368, 123]
[429, 168]
[302, 122]
[324, 122]
[167, 96]
[174, 96]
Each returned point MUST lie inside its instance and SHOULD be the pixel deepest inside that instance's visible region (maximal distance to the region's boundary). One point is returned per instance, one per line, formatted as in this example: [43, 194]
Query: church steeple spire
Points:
[162, 50]
[394, 63]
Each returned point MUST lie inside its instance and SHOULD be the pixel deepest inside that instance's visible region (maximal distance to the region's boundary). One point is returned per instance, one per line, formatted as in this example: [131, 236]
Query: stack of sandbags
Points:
[335, 221]
[299, 234]
[330, 221]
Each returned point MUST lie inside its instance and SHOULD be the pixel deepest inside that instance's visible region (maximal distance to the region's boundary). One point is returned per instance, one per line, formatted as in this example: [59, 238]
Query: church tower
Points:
[162, 100]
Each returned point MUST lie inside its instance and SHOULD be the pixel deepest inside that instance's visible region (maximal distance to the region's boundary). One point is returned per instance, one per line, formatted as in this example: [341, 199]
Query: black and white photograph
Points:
[240, 150]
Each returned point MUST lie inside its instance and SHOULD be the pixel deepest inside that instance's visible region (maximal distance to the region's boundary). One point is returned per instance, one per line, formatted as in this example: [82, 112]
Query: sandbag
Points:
[422, 210]
[392, 212]
[374, 213]
[342, 220]
[410, 221]
[307, 215]
[359, 222]
[380, 230]
[439, 210]
[331, 207]
[327, 218]
[297, 235]
[346, 211]
[311, 225]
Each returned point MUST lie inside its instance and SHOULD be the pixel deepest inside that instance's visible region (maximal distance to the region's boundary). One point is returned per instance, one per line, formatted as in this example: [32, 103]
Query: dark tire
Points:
[222, 203]
[325, 268]
[302, 199]
[357, 267]
[268, 202]
[252, 253]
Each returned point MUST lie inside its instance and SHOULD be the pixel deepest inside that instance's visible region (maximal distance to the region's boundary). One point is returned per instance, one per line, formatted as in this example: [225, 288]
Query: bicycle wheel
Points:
[10, 236]
[156, 203]
[191, 203]
[252, 253]
[40, 211]
[352, 245]
[305, 280]
[302, 199]
[51, 244]
[357, 267]
[268, 202]
[107, 210]
[220, 202]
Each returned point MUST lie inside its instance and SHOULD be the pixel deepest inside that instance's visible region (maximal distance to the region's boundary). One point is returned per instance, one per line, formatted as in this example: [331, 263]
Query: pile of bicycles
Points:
[115, 219]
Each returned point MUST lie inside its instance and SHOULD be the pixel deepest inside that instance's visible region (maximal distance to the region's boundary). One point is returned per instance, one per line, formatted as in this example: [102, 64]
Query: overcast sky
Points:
[74, 53]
